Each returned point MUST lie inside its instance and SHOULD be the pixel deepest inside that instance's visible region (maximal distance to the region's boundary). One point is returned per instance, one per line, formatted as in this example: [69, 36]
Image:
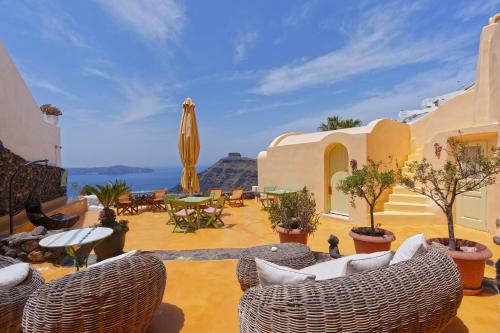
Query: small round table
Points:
[293, 255]
[78, 243]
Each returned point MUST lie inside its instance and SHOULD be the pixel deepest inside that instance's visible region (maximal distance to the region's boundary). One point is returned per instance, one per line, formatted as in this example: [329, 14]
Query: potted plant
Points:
[107, 196]
[463, 171]
[369, 183]
[51, 112]
[294, 216]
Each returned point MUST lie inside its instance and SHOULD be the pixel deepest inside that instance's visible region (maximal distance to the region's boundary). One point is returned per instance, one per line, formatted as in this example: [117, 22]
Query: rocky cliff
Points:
[229, 172]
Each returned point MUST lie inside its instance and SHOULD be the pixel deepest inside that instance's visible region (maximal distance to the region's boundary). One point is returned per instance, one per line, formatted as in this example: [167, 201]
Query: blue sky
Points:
[120, 69]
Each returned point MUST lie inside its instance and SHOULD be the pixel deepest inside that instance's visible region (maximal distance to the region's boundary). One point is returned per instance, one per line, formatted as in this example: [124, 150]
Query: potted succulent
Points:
[369, 183]
[294, 216]
[107, 196]
[51, 112]
[463, 171]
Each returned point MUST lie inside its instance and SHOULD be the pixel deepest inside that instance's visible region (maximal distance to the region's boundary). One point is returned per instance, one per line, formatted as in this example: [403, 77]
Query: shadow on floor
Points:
[456, 325]
[167, 319]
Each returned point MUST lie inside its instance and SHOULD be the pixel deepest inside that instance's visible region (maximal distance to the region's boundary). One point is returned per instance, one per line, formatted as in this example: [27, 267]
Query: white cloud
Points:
[142, 100]
[47, 85]
[59, 28]
[379, 43]
[298, 13]
[268, 107]
[153, 20]
[407, 94]
[243, 43]
[475, 8]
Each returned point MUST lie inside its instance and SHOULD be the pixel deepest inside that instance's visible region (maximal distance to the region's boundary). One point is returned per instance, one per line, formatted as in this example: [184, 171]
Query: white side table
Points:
[78, 243]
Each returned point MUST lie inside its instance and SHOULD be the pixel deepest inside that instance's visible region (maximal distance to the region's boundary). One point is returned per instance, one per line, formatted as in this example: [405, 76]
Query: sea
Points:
[162, 177]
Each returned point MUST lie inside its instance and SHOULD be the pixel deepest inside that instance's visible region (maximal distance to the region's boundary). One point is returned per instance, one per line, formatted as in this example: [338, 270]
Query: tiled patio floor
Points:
[202, 296]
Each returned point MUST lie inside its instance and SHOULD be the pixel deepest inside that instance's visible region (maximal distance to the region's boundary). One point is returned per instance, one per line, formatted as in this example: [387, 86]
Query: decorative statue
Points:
[334, 246]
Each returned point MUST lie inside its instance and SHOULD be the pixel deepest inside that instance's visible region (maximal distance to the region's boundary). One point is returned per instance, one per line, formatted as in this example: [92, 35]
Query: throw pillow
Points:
[410, 247]
[13, 275]
[368, 262]
[272, 274]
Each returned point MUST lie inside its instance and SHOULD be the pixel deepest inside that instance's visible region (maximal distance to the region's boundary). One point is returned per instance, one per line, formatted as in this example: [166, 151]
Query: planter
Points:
[52, 119]
[292, 236]
[369, 244]
[111, 246]
[470, 264]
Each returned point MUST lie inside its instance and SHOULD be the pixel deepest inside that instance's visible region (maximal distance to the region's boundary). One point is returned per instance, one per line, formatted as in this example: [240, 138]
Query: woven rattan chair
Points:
[120, 296]
[418, 295]
[12, 300]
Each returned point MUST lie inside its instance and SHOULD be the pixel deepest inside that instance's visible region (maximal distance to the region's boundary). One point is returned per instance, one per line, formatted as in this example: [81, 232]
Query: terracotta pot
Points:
[110, 246]
[292, 236]
[470, 265]
[369, 244]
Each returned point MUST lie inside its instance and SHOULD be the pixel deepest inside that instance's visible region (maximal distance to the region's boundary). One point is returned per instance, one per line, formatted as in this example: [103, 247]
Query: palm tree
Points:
[336, 122]
[107, 196]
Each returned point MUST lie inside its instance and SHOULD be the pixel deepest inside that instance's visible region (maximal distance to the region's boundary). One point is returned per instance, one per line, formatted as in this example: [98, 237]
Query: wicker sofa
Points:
[120, 296]
[418, 295]
[12, 300]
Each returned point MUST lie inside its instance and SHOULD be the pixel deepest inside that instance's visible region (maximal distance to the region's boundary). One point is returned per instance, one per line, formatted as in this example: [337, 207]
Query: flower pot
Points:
[111, 246]
[470, 265]
[291, 236]
[52, 119]
[369, 244]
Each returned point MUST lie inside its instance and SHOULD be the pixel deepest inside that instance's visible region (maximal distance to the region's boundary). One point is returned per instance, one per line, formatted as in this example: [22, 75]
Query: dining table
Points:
[196, 203]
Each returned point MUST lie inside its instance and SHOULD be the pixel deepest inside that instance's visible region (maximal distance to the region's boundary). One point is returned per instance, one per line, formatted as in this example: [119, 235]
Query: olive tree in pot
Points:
[369, 183]
[294, 216]
[107, 196]
[463, 171]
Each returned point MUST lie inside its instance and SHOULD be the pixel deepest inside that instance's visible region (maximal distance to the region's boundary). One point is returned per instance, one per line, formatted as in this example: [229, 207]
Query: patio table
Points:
[78, 243]
[197, 202]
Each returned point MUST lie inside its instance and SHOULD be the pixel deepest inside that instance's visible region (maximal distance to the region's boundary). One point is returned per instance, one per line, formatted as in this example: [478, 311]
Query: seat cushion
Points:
[367, 262]
[272, 274]
[121, 256]
[211, 210]
[328, 270]
[184, 212]
[13, 275]
[409, 248]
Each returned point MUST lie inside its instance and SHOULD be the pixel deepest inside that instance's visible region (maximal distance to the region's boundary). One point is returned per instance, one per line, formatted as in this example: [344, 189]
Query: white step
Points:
[407, 207]
[401, 218]
[398, 189]
[409, 198]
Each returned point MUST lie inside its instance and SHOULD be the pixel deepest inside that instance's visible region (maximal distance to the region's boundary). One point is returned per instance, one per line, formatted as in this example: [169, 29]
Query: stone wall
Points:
[27, 182]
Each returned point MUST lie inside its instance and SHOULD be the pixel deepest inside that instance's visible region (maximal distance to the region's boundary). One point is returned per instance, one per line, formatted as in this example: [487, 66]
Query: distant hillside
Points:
[229, 172]
[111, 170]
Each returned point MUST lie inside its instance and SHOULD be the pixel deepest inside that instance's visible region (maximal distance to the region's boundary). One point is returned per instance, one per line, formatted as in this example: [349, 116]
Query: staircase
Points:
[407, 207]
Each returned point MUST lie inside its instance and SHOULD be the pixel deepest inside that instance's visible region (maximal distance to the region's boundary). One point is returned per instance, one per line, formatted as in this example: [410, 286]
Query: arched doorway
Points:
[338, 170]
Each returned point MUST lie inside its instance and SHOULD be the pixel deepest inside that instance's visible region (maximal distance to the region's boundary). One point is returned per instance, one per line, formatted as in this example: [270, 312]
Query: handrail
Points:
[11, 210]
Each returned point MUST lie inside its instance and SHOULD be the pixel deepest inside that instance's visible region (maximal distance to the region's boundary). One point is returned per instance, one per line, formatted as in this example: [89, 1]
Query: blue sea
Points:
[164, 177]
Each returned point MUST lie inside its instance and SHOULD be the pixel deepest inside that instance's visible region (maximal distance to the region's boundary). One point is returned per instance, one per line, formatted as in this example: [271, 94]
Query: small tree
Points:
[462, 172]
[368, 183]
[336, 122]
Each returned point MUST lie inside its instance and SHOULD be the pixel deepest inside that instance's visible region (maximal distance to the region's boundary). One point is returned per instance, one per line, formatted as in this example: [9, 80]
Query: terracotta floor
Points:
[202, 296]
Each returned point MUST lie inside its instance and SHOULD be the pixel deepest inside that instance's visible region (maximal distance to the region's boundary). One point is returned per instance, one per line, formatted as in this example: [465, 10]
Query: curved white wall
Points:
[22, 128]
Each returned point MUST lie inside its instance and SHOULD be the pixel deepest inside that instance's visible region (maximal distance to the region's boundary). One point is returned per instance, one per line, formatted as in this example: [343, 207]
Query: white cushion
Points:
[124, 255]
[13, 275]
[329, 269]
[271, 274]
[367, 262]
[410, 247]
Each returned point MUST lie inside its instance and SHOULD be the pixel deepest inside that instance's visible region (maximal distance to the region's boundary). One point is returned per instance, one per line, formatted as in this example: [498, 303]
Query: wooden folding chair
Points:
[166, 199]
[158, 200]
[214, 212]
[126, 204]
[183, 217]
[236, 198]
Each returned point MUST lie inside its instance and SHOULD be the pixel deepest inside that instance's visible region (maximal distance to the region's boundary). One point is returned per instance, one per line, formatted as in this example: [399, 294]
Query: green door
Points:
[339, 202]
[472, 207]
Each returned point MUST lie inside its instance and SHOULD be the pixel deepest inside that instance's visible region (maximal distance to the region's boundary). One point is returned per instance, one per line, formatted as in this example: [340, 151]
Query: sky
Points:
[120, 69]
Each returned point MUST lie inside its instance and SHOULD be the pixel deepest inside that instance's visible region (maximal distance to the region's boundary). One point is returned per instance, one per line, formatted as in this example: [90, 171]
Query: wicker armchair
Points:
[12, 300]
[419, 295]
[120, 296]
